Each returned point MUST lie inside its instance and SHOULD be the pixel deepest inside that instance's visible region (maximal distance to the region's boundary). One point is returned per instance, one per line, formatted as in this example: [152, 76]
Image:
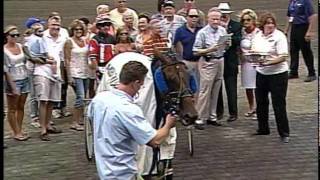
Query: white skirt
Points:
[248, 76]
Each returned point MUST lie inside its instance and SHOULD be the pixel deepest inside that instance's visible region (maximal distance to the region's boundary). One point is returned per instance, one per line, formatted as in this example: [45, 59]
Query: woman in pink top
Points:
[76, 57]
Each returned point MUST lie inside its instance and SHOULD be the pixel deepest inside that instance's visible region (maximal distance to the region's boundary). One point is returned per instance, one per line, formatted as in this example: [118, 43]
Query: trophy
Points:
[256, 58]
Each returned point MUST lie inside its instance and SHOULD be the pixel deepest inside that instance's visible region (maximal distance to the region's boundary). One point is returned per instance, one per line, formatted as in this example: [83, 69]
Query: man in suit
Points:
[231, 61]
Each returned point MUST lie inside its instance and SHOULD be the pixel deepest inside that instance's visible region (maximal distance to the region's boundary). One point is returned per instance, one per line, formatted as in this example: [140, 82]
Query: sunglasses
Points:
[104, 24]
[246, 20]
[14, 35]
[193, 16]
[78, 29]
[189, 0]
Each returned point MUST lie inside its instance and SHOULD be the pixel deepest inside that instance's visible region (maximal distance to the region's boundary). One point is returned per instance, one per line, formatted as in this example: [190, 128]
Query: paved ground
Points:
[227, 152]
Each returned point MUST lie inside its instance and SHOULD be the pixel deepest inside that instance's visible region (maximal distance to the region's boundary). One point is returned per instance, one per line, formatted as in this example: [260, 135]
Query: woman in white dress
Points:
[248, 20]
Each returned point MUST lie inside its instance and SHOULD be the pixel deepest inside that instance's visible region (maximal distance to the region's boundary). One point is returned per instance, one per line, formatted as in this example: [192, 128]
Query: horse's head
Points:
[178, 87]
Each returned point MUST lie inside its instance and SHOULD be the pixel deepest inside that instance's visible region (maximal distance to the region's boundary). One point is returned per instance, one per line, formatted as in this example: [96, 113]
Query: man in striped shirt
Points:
[171, 21]
[156, 41]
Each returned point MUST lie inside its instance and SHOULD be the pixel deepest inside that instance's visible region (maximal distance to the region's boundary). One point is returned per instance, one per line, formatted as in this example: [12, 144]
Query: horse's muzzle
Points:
[189, 119]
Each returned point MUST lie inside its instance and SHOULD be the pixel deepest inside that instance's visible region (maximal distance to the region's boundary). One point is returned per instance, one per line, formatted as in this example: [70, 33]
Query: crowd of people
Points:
[213, 46]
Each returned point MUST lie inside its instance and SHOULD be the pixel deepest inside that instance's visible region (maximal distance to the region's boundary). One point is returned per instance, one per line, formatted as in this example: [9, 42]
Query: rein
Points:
[173, 98]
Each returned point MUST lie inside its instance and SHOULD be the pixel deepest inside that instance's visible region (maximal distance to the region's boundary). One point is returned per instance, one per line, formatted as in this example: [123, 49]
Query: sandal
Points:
[45, 137]
[250, 114]
[54, 130]
[77, 127]
[21, 138]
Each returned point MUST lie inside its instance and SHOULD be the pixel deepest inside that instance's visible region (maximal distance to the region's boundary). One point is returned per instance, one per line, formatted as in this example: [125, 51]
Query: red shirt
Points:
[101, 47]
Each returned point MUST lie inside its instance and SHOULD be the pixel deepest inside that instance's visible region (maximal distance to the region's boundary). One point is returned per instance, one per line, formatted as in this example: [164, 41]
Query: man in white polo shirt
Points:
[59, 108]
[47, 88]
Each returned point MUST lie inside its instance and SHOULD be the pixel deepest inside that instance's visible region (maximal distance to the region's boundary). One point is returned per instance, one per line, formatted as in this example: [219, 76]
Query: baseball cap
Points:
[168, 3]
[32, 20]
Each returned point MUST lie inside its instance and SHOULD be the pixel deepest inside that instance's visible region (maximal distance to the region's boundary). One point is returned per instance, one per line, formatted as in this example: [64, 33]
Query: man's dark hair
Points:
[144, 15]
[85, 20]
[132, 71]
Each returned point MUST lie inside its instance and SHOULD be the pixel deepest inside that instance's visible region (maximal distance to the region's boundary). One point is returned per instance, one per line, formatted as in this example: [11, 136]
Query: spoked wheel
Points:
[88, 138]
[190, 139]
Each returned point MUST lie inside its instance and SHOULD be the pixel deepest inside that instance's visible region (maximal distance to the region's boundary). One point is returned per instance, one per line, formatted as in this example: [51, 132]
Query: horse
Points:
[177, 87]
[176, 94]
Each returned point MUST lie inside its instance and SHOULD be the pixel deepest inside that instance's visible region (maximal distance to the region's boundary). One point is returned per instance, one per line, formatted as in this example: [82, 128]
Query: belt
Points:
[208, 58]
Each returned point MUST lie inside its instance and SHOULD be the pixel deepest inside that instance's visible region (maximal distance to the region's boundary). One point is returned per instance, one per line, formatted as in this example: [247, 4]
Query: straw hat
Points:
[10, 28]
[225, 8]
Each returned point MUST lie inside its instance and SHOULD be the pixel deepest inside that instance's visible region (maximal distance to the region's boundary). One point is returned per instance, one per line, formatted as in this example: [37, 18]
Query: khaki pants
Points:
[211, 76]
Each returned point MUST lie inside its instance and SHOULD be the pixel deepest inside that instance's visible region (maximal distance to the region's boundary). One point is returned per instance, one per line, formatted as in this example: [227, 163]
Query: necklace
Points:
[79, 41]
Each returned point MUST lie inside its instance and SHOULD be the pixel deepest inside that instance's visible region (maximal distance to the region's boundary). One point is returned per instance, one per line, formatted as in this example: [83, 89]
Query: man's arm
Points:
[67, 58]
[311, 18]
[163, 132]
[202, 52]
[93, 54]
[288, 26]
[30, 58]
[310, 33]
[198, 46]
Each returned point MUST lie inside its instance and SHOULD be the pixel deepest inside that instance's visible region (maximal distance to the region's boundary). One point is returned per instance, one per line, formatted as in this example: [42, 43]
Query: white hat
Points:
[225, 8]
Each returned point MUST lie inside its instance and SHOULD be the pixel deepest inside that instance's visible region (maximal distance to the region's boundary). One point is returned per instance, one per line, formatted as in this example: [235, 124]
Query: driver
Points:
[101, 46]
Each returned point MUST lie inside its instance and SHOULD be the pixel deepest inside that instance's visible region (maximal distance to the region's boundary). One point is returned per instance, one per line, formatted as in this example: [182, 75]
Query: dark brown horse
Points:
[177, 87]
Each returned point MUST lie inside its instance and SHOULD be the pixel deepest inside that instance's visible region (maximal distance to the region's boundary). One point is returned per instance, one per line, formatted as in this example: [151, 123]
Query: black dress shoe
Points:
[214, 123]
[199, 126]
[285, 139]
[293, 76]
[219, 117]
[261, 133]
[232, 118]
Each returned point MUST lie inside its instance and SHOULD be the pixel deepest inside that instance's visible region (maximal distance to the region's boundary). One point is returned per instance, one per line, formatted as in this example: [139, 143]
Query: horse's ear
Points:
[163, 58]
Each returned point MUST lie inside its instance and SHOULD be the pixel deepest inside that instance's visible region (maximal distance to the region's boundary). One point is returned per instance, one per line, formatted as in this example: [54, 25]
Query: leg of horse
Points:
[165, 169]
[20, 110]
[12, 108]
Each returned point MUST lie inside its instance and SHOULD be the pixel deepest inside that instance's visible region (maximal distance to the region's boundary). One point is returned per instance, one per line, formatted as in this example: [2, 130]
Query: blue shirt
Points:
[36, 46]
[119, 126]
[300, 10]
[187, 38]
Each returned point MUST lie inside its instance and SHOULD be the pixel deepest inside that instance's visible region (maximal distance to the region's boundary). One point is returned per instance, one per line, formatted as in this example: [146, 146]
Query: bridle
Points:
[173, 99]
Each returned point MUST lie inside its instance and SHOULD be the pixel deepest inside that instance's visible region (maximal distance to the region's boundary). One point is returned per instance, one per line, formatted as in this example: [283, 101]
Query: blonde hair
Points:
[77, 23]
[250, 13]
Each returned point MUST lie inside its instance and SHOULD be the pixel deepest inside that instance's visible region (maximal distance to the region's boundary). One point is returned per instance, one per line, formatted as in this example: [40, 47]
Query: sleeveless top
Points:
[79, 60]
[16, 64]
